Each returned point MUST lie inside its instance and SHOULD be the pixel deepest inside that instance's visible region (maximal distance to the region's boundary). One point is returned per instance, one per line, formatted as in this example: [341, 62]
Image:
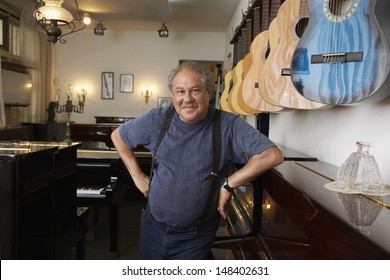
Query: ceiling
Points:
[179, 15]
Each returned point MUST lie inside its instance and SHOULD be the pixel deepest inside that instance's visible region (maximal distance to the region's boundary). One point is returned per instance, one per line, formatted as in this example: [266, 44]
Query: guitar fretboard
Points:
[256, 21]
[235, 53]
[265, 16]
[248, 35]
[241, 43]
[274, 9]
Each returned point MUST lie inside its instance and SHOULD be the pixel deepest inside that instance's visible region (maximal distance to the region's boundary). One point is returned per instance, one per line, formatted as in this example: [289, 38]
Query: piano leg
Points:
[113, 214]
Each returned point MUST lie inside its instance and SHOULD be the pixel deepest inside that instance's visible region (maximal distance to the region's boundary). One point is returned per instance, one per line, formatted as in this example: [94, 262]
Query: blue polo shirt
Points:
[182, 176]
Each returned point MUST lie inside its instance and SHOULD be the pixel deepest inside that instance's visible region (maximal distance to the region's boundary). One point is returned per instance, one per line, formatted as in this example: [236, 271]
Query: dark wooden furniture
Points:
[24, 133]
[37, 200]
[98, 162]
[112, 120]
[48, 131]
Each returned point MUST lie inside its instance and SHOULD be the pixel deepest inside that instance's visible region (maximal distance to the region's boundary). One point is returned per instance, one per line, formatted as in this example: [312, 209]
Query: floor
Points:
[128, 233]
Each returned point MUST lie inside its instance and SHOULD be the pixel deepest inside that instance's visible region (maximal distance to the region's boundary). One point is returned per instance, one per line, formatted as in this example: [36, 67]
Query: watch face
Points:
[224, 181]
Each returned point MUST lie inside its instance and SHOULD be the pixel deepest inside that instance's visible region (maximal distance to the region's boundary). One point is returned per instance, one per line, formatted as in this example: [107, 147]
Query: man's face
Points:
[190, 97]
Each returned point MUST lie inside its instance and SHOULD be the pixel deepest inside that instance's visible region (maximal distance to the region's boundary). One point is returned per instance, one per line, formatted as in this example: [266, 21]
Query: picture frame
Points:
[126, 83]
[107, 85]
[4, 35]
[163, 102]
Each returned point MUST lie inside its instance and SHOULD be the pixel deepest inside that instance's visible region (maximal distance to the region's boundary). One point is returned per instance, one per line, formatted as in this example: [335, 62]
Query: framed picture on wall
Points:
[107, 85]
[126, 82]
[164, 102]
[4, 32]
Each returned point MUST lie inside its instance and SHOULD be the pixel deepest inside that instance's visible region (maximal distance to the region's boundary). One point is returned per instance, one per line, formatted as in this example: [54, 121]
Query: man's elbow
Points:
[277, 156]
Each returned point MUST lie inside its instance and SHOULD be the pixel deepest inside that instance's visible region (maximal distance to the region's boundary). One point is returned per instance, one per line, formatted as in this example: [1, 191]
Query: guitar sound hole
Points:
[301, 26]
[340, 7]
[338, 11]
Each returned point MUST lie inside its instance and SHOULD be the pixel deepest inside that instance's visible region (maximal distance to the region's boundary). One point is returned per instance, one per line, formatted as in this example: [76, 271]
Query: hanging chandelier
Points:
[51, 16]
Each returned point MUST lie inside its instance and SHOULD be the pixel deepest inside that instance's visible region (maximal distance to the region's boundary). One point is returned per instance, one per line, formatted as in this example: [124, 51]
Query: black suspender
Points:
[216, 146]
[216, 151]
[216, 160]
[163, 131]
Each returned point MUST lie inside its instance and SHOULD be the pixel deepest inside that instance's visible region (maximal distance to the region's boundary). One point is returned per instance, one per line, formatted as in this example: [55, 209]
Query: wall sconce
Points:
[51, 15]
[146, 94]
[163, 31]
[99, 28]
[81, 96]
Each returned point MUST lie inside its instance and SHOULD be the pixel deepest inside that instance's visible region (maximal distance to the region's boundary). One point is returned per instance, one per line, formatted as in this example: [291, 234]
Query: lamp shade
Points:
[53, 11]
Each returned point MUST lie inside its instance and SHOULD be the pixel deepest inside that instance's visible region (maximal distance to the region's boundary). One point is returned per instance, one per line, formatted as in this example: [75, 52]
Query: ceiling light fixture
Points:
[99, 28]
[163, 31]
[51, 16]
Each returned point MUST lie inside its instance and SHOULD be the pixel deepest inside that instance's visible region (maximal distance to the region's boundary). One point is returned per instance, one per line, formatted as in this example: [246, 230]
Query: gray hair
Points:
[206, 76]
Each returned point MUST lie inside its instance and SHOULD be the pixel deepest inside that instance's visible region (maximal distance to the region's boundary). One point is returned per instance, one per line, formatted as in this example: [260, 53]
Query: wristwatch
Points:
[225, 185]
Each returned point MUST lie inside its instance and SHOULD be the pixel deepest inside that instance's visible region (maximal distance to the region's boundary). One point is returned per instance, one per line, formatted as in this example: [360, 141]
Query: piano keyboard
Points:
[91, 191]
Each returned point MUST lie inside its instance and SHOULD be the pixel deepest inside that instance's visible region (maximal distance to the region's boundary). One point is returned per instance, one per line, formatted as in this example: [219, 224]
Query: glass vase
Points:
[360, 171]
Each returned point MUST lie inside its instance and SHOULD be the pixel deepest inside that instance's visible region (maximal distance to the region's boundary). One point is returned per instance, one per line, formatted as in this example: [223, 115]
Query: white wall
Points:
[330, 134]
[150, 58]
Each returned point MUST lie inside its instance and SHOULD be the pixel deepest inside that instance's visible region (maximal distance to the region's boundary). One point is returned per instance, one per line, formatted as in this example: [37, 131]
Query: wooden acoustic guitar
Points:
[249, 92]
[228, 82]
[246, 84]
[277, 87]
[259, 52]
[343, 56]
[237, 74]
[272, 42]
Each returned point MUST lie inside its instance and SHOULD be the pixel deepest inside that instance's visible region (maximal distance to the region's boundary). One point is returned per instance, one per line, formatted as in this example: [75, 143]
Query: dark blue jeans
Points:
[160, 242]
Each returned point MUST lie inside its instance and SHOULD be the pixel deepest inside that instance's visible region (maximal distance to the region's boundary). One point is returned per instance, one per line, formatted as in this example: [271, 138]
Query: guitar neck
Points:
[235, 54]
[265, 15]
[241, 43]
[274, 9]
[256, 21]
[248, 35]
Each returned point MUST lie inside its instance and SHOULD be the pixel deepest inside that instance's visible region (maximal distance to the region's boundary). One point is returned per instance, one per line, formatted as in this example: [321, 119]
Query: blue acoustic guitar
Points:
[343, 56]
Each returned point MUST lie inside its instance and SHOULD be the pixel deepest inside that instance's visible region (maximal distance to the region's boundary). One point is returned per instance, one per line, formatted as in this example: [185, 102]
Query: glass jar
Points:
[360, 171]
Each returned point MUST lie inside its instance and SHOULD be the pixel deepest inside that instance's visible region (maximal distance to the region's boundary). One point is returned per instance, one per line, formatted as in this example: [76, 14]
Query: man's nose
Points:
[188, 96]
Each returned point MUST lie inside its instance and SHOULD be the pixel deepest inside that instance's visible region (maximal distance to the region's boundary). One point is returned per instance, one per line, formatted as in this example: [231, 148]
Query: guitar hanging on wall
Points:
[278, 88]
[273, 39]
[343, 56]
[228, 82]
[259, 51]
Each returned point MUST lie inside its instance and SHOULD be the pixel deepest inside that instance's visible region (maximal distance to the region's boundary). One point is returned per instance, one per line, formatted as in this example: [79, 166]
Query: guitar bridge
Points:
[286, 72]
[333, 58]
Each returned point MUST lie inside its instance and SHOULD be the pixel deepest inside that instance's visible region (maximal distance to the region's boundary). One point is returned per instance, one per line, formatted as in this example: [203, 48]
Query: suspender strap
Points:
[216, 144]
[163, 131]
[216, 160]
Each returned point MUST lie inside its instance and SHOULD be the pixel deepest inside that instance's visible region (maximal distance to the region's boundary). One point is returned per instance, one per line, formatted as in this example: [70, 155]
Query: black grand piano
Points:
[99, 169]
